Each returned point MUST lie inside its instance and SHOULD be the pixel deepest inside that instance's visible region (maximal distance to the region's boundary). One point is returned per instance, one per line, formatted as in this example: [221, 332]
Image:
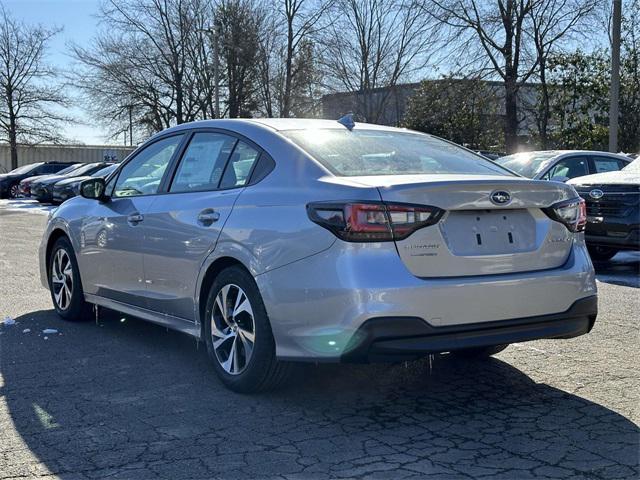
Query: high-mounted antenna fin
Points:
[347, 121]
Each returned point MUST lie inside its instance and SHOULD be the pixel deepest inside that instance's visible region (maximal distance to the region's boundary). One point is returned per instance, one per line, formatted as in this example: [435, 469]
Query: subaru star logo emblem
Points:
[596, 193]
[500, 197]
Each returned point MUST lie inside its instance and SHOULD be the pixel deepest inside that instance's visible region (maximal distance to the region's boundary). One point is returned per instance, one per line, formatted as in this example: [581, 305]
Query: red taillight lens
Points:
[373, 221]
[572, 213]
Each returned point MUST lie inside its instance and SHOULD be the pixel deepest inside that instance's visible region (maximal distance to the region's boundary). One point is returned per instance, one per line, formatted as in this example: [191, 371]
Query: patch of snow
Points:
[9, 321]
[26, 330]
[49, 331]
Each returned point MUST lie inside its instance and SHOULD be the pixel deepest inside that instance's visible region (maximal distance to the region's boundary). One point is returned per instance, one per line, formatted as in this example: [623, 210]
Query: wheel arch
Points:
[212, 271]
[54, 236]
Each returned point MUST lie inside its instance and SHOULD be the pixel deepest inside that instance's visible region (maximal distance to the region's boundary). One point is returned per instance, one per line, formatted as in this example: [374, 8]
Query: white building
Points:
[62, 153]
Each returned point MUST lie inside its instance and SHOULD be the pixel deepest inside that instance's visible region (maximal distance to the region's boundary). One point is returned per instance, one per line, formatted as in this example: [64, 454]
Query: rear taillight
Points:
[572, 213]
[372, 221]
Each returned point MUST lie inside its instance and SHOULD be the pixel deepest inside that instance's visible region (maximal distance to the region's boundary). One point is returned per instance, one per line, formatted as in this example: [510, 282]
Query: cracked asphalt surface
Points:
[122, 398]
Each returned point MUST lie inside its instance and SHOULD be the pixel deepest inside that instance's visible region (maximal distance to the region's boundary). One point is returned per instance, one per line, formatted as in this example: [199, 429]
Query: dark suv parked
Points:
[9, 181]
[613, 210]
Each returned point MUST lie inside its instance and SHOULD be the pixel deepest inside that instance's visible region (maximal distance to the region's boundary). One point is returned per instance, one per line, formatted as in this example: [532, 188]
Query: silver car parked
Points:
[275, 241]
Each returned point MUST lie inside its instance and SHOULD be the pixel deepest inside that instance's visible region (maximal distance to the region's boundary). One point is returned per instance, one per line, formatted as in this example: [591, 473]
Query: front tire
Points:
[479, 353]
[64, 283]
[600, 253]
[238, 335]
[13, 191]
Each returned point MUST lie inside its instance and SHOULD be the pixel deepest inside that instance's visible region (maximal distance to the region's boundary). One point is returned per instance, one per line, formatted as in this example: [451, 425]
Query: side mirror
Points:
[560, 178]
[93, 188]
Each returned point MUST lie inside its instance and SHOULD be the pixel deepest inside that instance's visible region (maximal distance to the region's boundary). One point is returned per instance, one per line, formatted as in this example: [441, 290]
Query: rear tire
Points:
[238, 335]
[65, 284]
[479, 353]
[600, 253]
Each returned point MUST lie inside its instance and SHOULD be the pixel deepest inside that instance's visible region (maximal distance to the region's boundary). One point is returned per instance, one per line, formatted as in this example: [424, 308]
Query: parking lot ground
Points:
[121, 398]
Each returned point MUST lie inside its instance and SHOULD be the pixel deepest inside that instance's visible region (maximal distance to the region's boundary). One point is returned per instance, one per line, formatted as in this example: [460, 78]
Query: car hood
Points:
[8, 176]
[617, 178]
[69, 181]
[49, 179]
[35, 178]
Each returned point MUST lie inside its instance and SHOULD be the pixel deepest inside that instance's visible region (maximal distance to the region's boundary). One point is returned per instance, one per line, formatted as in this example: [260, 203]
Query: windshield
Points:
[26, 168]
[527, 164]
[87, 169]
[103, 172]
[69, 169]
[379, 152]
[633, 167]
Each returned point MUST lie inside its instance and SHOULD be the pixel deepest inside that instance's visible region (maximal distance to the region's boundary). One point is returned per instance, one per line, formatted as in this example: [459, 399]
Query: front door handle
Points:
[134, 218]
[208, 216]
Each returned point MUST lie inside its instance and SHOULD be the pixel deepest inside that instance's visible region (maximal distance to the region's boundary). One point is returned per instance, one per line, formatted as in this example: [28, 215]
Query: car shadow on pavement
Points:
[623, 269]
[127, 399]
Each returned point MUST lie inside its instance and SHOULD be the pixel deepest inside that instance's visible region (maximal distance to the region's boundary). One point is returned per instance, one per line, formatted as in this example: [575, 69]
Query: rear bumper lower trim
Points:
[390, 339]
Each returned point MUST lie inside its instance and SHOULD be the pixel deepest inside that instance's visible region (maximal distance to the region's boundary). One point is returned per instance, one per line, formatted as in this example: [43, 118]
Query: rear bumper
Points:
[318, 306]
[392, 339]
[624, 240]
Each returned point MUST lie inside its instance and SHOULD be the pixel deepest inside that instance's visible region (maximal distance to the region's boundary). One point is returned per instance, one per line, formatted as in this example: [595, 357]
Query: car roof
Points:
[280, 124]
[557, 153]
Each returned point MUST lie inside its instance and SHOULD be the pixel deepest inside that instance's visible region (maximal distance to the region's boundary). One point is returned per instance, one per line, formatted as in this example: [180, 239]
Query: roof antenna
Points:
[347, 121]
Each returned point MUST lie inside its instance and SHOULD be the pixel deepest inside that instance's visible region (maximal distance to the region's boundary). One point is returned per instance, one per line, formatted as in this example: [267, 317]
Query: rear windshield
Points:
[527, 164]
[378, 152]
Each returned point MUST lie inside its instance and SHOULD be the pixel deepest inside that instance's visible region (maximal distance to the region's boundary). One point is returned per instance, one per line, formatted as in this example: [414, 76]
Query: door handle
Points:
[134, 218]
[208, 216]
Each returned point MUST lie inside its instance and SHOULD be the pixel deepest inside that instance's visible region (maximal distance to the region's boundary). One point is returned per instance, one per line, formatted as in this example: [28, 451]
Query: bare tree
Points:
[30, 98]
[151, 63]
[302, 18]
[289, 78]
[376, 43]
[552, 23]
[495, 30]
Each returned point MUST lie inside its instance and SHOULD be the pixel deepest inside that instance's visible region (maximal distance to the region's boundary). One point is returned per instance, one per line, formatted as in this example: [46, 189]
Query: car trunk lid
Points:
[492, 224]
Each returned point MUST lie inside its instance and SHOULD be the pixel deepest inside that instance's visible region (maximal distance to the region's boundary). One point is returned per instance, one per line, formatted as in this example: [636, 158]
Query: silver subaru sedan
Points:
[279, 241]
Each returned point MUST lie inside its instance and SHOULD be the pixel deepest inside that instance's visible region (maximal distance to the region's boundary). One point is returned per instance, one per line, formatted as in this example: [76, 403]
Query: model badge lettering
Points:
[421, 247]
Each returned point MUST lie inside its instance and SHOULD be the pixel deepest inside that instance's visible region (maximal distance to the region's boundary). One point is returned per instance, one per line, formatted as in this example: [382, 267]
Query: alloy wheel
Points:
[232, 329]
[62, 279]
[13, 191]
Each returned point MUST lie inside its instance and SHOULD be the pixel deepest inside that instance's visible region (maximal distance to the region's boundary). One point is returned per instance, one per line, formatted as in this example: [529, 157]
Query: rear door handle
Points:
[208, 216]
[134, 218]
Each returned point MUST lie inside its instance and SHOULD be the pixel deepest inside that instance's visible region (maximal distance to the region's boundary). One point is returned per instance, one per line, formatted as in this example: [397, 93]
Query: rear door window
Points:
[604, 164]
[44, 169]
[570, 167]
[237, 172]
[203, 162]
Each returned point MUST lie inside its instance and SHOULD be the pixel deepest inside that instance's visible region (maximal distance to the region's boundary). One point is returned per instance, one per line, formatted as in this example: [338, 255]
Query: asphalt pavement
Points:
[121, 398]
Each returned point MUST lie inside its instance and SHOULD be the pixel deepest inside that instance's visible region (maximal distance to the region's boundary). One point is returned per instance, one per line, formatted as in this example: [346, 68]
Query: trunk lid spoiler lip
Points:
[461, 192]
